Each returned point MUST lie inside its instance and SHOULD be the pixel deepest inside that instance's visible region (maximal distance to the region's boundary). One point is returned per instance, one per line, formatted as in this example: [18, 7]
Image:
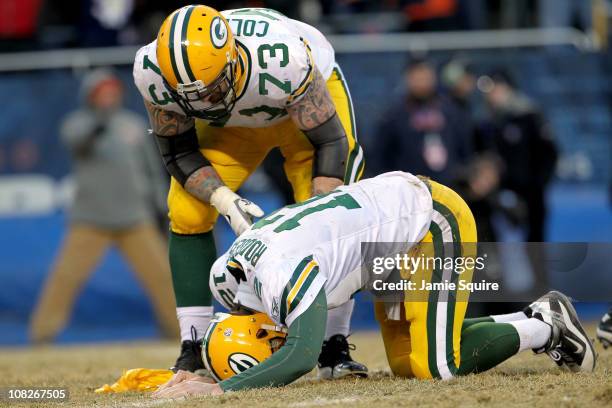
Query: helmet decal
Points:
[218, 32]
[240, 362]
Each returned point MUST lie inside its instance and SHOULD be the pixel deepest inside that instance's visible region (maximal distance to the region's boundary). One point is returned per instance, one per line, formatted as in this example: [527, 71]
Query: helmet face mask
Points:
[212, 102]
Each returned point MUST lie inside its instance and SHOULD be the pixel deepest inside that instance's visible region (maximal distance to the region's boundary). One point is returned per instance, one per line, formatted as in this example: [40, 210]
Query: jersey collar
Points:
[243, 70]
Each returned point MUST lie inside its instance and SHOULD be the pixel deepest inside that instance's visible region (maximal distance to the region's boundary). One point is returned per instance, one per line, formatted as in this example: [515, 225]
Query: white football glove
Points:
[238, 212]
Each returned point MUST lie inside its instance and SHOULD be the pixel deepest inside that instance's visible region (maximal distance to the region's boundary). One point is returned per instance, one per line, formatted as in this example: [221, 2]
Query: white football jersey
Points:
[284, 259]
[278, 55]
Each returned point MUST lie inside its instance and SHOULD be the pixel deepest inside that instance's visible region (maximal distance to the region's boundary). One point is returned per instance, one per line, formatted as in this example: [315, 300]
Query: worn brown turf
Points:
[526, 380]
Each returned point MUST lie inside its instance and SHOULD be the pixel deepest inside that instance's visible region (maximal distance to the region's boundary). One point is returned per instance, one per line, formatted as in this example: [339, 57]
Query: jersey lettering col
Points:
[277, 54]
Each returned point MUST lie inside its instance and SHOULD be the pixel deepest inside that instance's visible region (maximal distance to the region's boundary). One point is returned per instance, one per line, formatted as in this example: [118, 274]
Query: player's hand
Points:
[180, 377]
[322, 185]
[189, 388]
[238, 211]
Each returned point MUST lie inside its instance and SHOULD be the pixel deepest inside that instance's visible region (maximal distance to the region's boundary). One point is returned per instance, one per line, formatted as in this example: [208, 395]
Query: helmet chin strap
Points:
[270, 327]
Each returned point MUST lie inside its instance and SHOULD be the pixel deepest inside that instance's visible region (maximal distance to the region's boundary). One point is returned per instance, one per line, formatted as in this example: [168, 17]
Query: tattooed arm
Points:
[202, 182]
[315, 114]
[167, 123]
[178, 144]
[315, 107]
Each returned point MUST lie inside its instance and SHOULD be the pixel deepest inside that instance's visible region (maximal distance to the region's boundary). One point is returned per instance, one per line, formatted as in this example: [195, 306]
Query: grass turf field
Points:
[526, 380]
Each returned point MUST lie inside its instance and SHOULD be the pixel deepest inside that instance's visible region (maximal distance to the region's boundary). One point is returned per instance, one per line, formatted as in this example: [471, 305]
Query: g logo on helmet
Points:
[240, 362]
[218, 32]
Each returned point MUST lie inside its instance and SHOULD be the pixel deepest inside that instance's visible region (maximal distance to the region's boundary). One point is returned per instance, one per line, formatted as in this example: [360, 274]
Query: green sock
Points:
[470, 322]
[191, 257]
[485, 345]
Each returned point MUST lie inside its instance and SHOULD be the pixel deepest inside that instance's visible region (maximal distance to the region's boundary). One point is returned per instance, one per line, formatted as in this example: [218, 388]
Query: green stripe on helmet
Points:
[209, 332]
[184, 44]
[171, 47]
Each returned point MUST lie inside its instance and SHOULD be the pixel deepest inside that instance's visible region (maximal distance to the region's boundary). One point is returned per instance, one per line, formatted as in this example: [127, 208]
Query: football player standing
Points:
[222, 89]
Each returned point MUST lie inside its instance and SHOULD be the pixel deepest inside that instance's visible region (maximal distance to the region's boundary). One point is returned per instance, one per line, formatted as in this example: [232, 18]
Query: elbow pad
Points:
[331, 148]
[181, 154]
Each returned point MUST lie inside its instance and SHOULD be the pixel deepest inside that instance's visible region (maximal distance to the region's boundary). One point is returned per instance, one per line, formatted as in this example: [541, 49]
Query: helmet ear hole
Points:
[261, 333]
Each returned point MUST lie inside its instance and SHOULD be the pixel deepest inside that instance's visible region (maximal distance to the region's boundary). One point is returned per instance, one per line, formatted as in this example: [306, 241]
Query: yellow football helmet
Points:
[197, 55]
[233, 343]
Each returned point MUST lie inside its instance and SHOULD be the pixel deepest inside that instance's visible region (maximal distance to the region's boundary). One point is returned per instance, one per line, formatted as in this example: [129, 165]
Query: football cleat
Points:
[604, 330]
[190, 358]
[335, 360]
[569, 345]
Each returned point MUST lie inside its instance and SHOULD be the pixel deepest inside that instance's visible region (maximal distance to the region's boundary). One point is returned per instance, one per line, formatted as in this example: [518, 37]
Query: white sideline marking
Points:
[323, 401]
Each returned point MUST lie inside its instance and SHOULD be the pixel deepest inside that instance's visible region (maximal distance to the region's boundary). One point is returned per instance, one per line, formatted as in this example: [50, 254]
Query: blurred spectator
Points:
[518, 142]
[422, 132]
[459, 79]
[521, 137]
[479, 180]
[115, 182]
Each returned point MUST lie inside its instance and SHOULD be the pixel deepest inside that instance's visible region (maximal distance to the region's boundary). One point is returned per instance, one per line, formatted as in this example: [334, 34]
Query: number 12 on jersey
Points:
[342, 200]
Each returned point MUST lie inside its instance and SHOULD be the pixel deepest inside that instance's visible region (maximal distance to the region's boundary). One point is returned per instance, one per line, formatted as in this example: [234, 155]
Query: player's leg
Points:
[81, 251]
[504, 318]
[490, 340]
[145, 250]
[234, 153]
[436, 316]
[395, 331]
[550, 325]
[298, 153]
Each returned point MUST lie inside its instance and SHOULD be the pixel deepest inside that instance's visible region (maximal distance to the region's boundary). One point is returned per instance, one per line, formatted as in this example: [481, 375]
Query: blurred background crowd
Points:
[43, 24]
[506, 101]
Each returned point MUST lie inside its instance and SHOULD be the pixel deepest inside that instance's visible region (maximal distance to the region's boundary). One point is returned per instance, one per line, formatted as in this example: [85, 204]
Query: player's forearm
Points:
[167, 123]
[323, 185]
[202, 183]
[178, 145]
[297, 357]
[315, 114]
